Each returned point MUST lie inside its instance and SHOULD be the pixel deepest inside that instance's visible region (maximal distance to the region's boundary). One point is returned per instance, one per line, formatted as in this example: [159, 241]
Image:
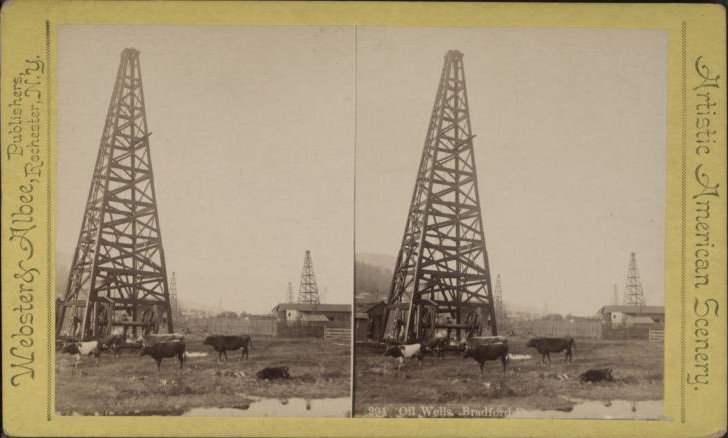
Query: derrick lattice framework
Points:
[441, 278]
[118, 275]
[308, 289]
[633, 293]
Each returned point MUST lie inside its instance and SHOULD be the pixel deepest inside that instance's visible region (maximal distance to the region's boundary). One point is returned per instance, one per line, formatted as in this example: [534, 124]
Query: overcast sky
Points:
[254, 141]
[570, 145]
[252, 150]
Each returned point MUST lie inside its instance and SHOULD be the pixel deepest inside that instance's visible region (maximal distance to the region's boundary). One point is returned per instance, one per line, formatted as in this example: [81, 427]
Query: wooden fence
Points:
[338, 335]
[624, 333]
[656, 336]
[230, 326]
[579, 328]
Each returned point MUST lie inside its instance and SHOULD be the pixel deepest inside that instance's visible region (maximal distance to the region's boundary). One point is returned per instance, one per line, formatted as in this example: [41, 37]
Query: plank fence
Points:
[656, 336]
[338, 335]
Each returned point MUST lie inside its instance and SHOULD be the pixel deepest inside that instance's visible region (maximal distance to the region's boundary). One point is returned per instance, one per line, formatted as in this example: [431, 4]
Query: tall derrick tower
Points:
[308, 289]
[118, 275]
[633, 293]
[441, 278]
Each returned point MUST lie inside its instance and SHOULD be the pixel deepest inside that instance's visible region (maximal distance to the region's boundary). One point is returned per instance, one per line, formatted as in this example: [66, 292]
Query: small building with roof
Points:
[632, 315]
[312, 313]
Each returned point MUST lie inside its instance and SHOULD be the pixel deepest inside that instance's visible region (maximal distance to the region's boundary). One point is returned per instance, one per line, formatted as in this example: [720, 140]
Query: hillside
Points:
[373, 277]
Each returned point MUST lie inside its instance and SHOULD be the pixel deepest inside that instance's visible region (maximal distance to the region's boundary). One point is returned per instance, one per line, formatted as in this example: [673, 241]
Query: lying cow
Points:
[402, 352]
[597, 375]
[552, 345]
[222, 344]
[485, 352]
[78, 349]
[271, 373]
[161, 350]
[437, 345]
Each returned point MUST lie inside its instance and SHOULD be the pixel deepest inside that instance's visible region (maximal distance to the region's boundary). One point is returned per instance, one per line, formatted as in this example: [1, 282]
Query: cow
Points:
[78, 349]
[597, 375]
[223, 343]
[485, 352]
[552, 345]
[156, 338]
[161, 350]
[111, 342]
[402, 352]
[436, 344]
[271, 373]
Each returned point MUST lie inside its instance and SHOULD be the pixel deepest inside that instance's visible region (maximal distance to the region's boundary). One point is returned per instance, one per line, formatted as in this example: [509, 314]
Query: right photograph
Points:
[510, 222]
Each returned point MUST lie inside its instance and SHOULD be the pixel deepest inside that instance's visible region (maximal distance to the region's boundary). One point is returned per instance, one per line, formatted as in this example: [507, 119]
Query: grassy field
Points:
[454, 382]
[130, 384]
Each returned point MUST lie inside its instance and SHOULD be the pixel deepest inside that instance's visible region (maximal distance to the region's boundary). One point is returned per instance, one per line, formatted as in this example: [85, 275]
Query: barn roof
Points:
[313, 307]
[632, 309]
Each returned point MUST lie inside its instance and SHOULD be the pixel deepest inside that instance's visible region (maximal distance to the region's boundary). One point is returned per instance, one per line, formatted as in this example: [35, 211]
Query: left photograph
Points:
[204, 221]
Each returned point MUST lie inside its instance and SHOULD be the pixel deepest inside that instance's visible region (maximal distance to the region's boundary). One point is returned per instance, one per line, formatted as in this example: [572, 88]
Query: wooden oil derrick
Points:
[308, 289]
[441, 278]
[118, 275]
[633, 293]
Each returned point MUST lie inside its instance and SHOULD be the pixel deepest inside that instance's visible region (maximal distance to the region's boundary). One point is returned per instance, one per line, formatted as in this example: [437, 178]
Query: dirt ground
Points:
[454, 382]
[130, 384]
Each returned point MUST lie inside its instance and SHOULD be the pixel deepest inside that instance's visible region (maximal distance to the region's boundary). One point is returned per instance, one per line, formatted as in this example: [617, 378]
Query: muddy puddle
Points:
[615, 409]
[291, 407]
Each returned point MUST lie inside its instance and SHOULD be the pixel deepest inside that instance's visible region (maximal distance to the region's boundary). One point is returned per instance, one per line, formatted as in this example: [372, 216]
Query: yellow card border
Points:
[696, 34]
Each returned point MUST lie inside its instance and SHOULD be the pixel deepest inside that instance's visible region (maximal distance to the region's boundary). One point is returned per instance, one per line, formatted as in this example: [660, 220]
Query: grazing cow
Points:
[78, 349]
[484, 352]
[552, 345]
[402, 352]
[111, 342]
[271, 373]
[436, 344]
[597, 375]
[165, 349]
[222, 344]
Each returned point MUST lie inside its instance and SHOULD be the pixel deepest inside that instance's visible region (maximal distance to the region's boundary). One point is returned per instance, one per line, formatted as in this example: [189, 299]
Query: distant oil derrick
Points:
[500, 314]
[173, 294]
[289, 297]
[118, 275]
[308, 289]
[633, 293]
[441, 278]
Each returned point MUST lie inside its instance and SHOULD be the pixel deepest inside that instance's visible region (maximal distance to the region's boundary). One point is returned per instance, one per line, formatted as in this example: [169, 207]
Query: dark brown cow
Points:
[552, 345]
[485, 352]
[222, 344]
[165, 349]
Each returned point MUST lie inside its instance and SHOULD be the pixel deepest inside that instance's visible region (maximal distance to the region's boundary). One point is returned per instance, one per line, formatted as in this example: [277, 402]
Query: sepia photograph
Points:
[209, 170]
[510, 222]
